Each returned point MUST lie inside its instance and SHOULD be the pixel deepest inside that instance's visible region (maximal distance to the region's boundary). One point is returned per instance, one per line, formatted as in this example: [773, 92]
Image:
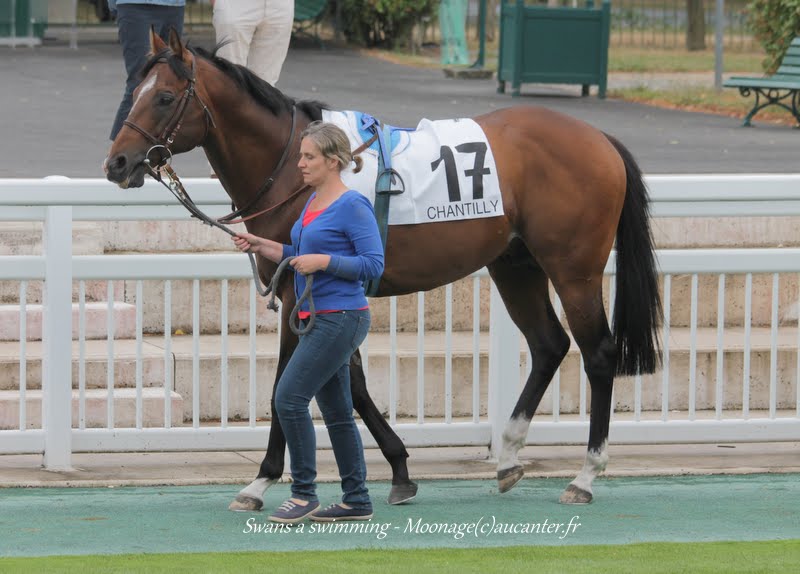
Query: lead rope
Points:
[176, 188]
[306, 295]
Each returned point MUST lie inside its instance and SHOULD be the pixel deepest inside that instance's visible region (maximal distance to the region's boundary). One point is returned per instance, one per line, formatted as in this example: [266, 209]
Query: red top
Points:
[310, 216]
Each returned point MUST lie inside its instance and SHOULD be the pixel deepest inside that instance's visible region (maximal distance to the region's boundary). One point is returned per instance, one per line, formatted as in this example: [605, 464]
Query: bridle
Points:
[163, 168]
[167, 137]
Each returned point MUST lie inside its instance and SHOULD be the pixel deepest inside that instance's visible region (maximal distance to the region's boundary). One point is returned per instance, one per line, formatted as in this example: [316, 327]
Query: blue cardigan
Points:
[348, 232]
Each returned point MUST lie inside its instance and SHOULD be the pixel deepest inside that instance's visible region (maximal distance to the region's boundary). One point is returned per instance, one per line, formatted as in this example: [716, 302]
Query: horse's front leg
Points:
[251, 497]
[393, 449]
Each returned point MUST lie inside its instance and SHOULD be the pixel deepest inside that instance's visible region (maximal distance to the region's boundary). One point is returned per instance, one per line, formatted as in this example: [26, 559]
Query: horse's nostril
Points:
[119, 162]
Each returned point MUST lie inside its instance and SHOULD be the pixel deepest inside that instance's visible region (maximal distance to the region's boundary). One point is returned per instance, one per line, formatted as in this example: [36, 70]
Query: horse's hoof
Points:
[574, 495]
[509, 477]
[245, 504]
[402, 493]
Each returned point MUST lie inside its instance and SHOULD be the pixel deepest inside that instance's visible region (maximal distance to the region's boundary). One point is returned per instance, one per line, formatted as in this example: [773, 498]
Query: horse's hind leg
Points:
[523, 286]
[251, 497]
[583, 305]
[393, 449]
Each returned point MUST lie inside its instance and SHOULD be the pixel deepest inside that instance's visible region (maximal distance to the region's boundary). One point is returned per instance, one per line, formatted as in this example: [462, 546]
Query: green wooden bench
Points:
[307, 16]
[780, 89]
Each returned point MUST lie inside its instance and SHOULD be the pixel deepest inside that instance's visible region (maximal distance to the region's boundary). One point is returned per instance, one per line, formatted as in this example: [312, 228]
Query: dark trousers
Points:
[134, 22]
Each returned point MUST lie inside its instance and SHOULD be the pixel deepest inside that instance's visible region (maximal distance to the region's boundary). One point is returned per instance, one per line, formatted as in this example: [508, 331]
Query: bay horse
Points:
[568, 190]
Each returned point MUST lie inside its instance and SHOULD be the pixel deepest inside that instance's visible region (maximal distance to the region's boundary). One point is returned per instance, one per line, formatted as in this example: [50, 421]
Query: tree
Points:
[696, 28]
[775, 23]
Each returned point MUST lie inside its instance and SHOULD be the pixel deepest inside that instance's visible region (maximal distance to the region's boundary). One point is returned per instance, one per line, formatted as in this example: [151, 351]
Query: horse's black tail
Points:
[637, 307]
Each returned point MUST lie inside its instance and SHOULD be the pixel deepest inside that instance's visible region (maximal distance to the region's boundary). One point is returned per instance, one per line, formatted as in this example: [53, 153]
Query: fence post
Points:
[57, 339]
[504, 368]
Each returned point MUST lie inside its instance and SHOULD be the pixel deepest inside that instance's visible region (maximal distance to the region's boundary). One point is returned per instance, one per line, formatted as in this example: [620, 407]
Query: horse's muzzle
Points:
[126, 173]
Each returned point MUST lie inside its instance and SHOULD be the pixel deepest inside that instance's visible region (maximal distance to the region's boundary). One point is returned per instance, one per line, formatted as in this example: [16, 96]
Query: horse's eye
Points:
[166, 99]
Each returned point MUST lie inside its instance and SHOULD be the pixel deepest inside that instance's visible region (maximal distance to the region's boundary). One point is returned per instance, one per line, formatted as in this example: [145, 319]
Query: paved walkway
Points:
[564, 462]
[195, 519]
[58, 104]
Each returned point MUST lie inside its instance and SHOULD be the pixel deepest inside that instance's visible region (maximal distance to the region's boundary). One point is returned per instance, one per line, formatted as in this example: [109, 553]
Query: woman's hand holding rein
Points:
[272, 250]
[249, 243]
[310, 263]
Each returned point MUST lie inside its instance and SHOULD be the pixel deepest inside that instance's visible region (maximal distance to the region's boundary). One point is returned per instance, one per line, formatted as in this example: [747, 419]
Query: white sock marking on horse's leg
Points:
[256, 488]
[596, 461]
[513, 439]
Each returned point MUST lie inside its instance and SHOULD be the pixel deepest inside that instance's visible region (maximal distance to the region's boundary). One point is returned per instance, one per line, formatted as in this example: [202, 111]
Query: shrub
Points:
[383, 23]
[774, 23]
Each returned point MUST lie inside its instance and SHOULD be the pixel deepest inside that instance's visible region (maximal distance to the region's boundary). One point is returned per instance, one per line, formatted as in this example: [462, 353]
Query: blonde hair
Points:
[333, 143]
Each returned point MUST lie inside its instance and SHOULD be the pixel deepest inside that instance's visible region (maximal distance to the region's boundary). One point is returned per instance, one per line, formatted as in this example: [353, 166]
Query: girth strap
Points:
[387, 176]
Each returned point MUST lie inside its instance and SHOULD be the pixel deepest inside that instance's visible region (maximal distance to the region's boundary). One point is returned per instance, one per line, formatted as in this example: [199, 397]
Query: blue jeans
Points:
[134, 22]
[319, 367]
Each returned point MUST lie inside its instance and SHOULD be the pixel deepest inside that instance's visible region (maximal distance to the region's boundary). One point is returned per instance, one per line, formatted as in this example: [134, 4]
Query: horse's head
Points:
[168, 115]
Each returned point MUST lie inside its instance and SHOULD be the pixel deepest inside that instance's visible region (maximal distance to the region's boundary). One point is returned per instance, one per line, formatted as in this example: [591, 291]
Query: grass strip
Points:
[774, 557]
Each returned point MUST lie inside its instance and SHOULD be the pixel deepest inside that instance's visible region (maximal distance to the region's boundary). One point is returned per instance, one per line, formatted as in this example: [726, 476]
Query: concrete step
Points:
[96, 364]
[237, 366]
[154, 236]
[378, 345]
[94, 291]
[164, 236]
[435, 303]
[668, 232]
[695, 232]
[171, 236]
[96, 408]
[96, 321]
[159, 237]
[25, 238]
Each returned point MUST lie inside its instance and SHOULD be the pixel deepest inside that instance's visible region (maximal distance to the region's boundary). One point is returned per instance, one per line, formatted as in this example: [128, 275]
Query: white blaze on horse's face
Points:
[148, 85]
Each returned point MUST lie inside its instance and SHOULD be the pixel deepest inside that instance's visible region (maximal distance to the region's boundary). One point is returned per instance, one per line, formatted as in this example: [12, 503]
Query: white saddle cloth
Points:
[447, 166]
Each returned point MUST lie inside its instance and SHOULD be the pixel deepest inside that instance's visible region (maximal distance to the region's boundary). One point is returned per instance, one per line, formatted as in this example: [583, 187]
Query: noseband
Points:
[167, 137]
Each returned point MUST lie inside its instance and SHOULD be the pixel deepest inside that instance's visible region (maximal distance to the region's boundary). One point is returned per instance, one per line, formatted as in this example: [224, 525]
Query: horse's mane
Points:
[262, 92]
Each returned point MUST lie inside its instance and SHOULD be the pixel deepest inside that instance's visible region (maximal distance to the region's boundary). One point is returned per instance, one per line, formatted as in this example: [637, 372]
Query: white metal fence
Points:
[649, 415]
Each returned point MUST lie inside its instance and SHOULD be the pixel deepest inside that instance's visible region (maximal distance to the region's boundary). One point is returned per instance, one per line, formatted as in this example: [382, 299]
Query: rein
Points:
[265, 187]
[291, 196]
[163, 171]
[306, 295]
[175, 187]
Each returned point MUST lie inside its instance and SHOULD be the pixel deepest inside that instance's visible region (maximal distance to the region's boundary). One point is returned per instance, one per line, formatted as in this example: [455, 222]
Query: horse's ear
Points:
[156, 43]
[176, 45]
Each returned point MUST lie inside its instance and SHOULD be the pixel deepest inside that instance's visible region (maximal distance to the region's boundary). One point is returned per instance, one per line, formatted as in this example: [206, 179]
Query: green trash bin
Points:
[23, 18]
[541, 44]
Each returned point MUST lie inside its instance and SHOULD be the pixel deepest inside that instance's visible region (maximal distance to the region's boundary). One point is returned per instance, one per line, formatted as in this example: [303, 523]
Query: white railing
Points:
[58, 202]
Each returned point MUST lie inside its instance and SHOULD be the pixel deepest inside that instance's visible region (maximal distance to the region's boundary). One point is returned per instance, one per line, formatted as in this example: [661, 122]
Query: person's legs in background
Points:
[271, 40]
[234, 24]
[168, 17]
